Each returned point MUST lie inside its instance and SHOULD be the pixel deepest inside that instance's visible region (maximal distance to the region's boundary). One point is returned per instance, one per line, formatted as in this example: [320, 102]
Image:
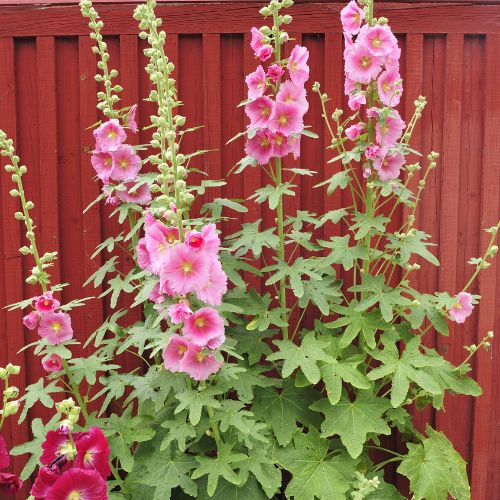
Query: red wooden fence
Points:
[451, 54]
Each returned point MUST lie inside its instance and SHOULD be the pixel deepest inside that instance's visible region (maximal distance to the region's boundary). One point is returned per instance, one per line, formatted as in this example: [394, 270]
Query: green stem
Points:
[383, 464]
[75, 390]
[215, 427]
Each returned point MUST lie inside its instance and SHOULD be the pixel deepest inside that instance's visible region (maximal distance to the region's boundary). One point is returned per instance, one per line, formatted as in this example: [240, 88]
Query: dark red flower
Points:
[56, 444]
[10, 484]
[4, 454]
[93, 452]
[46, 478]
[78, 483]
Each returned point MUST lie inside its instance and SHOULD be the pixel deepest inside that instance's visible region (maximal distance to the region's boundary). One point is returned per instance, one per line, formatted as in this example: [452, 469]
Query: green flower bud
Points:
[31, 280]
[19, 216]
[13, 369]
[14, 193]
[11, 408]
[3, 373]
[11, 392]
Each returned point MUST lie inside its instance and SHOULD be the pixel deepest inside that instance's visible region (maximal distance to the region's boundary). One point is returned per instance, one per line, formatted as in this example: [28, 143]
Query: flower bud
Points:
[3, 373]
[14, 193]
[11, 408]
[11, 392]
[31, 280]
[490, 334]
[13, 369]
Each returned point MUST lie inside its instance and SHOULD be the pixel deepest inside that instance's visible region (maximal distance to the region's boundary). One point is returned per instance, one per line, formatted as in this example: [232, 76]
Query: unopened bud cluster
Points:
[11, 393]
[70, 411]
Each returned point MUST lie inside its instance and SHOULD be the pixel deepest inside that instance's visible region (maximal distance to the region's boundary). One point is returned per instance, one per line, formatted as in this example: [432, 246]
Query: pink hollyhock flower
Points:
[46, 303]
[131, 119]
[259, 111]
[256, 83]
[78, 483]
[212, 240]
[372, 151]
[367, 171]
[392, 59]
[52, 364]
[216, 342]
[198, 364]
[156, 295]
[349, 86]
[354, 131]
[297, 65]
[260, 147]
[463, 308]
[143, 258]
[174, 353]
[286, 118]
[257, 40]
[126, 164]
[204, 325]
[361, 65]
[32, 320]
[390, 87]
[141, 195]
[102, 161]
[195, 240]
[44, 481]
[186, 270]
[55, 327]
[372, 112]
[158, 244]
[264, 52]
[293, 94]
[379, 40]
[173, 207]
[4, 454]
[352, 16]
[275, 72]
[93, 452]
[280, 145]
[179, 312]
[10, 484]
[214, 289]
[109, 135]
[294, 143]
[389, 166]
[356, 101]
[389, 130]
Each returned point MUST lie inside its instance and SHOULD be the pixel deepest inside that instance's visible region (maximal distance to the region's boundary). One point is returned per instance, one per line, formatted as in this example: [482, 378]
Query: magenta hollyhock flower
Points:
[463, 308]
[352, 16]
[264, 52]
[259, 111]
[195, 240]
[389, 166]
[256, 83]
[143, 258]
[10, 484]
[140, 195]
[174, 353]
[294, 94]
[131, 119]
[179, 312]
[126, 164]
[44, 481]
[297, 65]
[361, 65]
[212, 240]
[52, 364]
[286, 118]
[78, 483]
[198, 364]
[216, 286]
[93, 452]
[389, 130]
[4, 454]
[57, 444]
[186, 270]
[102, 161]
[356, 101]
[32, 320]
[379, 40]
[158, 244]
[260, 147]
[280, 145]
[109, 135]
[55, 327]
[275, 72]
[204, 325]
[372, 151]
[390, 87]
[354, 131]
[46, 303]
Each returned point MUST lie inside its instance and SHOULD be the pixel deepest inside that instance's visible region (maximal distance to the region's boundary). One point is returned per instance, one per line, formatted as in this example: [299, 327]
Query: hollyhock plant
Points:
[52, 364]
[174, 353]
[199, 364]
[195, 240]
[132, 119]
[45, 479]
[275, 72]
[78, 483]
[379, 40]
[212, 240]
[256, 83]
[354, 131]
[158, 246]
[280, 145]
[134, 194]
[55, 327]
[126, 164]
[46, 303]
[109, 136]
[463, 308]
[356, 101]
[58, 443]
[261, 49]
[389, 129]
[204, 325]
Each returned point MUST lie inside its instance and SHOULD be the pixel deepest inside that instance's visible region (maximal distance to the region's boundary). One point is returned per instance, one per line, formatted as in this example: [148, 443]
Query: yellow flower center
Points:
[264, 142]
[376, 42]
[187, 267]
[88, 457]
[283, 120]
[161, 248]
[124, 163]
[181, 350]
[279, 140]
[200, 322]
[74, 495]
[111, 135]
[200, 357]
[170, 238]
[108, 161]
[266, 111]
[386, 87]
[458, 306]
[56, 326]
[365, 61]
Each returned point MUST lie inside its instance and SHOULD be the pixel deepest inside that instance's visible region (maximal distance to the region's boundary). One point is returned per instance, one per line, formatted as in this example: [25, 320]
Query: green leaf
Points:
[227, 491]
[262, 464]
[354, 420]
[252, 343]
[98, 277]
[339, 180]
[194, 401]
[413, 242]
[37, 392]
[88, 367]
[342, 253]
[250, 238]
[177, 430]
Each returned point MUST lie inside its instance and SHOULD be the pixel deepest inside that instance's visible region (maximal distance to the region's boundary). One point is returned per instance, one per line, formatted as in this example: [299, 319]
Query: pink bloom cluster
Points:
[189, 271]
[463, 308]
[10, 484]
[372, 54]
[53, 325]
[75, 466]
[276, 124]
[117, 163]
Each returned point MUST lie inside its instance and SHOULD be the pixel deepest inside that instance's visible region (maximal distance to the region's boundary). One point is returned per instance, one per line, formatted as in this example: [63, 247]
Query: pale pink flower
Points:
[156, 295]
[216, 342]
[463, 308]
[32, 320]
[179, 312]
[280, 145]
[165, 287]
[159, 240]
[109, 135]
[264, 52]
[352, 16]
[372, 112]
[257, 38]
[204, 325]
[126, 164]
[102, 161]
[173, 207]
[46, 303]
[294, 94]
[294, 143]
[286, 118]
[212, 240]
[256, 83]
[186, 270]
[379, 40]
[372, 151]
[297, 65]
[216, 286]
[55, 327]
[392, 59]
[349, 86]
[131, 119]
[354, 131]
[198, 364]
[140, 195]
[275, 72]
[260, 147]
[361, 65]
[390, 87]
[174, 353]
[52, 364]
[389, 129]
[356, 101]
[195, 240]
[367, 171]
[389, 166]
[143, 257]
[259, 111]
